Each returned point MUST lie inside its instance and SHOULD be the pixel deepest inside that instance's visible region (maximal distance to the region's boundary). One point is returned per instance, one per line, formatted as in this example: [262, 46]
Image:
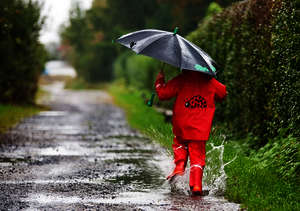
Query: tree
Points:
[22, 56]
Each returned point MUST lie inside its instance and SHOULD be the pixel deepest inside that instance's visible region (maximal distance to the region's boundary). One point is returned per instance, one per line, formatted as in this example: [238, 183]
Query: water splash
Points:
[214, 174]
[214, 178]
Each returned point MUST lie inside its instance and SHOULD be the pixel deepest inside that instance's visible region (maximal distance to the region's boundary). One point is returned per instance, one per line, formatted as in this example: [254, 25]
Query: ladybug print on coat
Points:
[195, 102]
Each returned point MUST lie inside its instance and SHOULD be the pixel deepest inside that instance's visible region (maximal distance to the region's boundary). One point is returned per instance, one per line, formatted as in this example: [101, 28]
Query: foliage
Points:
[99, 62]
[284, 104]
[12, 114]
[249, 40]
[187, 13]
[258, 188]
[140, 116]
[141, 71]
[281, 154]
[80, 84]
[22, 57]
[119, 67]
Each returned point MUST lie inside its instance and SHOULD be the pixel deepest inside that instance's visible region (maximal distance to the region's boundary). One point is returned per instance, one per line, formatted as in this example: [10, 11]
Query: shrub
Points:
[137, 70]
[119, 67]
[22, 57]
[99, 62]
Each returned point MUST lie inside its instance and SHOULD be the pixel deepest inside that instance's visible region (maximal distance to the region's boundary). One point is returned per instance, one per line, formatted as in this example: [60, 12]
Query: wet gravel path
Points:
[82, 155]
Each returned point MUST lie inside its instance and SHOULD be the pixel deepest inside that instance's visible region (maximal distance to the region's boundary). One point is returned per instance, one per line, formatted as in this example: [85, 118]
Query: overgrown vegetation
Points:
[22, 57]
[12, 114]
[140, 116]
[80, 84]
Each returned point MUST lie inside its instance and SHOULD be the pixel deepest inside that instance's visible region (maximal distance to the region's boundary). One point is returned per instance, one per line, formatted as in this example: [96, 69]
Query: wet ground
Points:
[82, 155]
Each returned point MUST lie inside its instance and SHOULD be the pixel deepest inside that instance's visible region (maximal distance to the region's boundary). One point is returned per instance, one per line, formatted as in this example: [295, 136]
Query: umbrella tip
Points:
[175, 30]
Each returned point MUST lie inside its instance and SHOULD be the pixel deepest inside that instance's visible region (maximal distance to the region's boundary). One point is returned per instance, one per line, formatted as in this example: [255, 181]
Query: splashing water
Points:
[214, 174]
[214, 177]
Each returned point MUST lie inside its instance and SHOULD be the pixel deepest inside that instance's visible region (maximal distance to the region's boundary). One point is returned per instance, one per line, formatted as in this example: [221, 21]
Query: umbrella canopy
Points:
[171, 48]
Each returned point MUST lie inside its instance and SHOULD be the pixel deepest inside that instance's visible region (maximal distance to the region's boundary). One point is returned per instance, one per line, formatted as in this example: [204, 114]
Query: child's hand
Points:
[160, 75]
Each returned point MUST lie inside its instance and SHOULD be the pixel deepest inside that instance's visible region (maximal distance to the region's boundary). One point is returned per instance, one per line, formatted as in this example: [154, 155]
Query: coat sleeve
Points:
[220, 90]
[166, 91]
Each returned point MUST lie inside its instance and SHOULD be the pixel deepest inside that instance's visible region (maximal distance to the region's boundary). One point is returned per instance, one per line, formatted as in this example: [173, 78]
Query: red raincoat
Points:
[194, 107]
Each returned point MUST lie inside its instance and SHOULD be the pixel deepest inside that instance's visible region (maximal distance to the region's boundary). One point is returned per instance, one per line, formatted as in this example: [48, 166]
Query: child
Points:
[193, 113]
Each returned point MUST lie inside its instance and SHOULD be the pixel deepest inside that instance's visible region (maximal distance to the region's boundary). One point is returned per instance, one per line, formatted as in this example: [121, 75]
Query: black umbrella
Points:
[170, 48]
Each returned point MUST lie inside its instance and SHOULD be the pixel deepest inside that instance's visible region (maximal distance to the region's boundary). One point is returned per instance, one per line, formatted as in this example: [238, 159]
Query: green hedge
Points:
[140, 71]
[256, 44]
[22, 57]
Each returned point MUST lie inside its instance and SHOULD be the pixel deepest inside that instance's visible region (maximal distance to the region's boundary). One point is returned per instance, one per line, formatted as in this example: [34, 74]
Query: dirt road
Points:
[82, 155]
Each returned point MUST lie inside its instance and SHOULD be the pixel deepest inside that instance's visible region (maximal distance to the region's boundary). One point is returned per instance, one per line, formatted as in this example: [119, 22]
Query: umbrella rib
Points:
[140, 52]
[180, 51]
[201, 52]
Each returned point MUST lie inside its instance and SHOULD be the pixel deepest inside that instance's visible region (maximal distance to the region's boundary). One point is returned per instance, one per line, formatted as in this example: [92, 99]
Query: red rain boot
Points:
[180, 158]
[196, 180]
[179, 170]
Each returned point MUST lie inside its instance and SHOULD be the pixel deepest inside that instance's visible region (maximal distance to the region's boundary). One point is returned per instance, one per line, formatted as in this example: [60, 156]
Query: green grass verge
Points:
[256, 188]
[79, 84]
[12, 114]
[140, 116]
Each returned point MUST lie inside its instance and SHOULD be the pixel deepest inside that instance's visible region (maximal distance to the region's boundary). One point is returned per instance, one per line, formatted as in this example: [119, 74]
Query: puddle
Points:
[53, 113]
[140, 200]
[8, 161]
[45, 182]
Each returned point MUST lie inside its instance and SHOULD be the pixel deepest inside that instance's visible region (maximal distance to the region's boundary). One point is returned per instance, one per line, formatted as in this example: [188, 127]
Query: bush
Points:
[140, 72]
[98, 63]
[22, 57]
[137, 70]
[285, 62]
[120, 65]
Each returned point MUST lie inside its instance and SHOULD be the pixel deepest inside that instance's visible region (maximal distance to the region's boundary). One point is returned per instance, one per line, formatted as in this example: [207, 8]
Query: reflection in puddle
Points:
[159, 200]
[47, 181]
[137, 198]
[53, 113]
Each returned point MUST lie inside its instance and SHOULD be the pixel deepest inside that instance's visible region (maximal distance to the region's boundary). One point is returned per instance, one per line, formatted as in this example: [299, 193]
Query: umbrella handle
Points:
[150, 102]
[162, 67]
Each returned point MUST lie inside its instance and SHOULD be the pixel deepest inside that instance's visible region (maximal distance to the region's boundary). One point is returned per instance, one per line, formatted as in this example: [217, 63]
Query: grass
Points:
[10, 115]
[254, 187]
[140, 116]
[79, 84]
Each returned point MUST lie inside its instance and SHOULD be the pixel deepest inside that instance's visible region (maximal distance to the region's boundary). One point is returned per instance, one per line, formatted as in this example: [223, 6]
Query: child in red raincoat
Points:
[193, 113]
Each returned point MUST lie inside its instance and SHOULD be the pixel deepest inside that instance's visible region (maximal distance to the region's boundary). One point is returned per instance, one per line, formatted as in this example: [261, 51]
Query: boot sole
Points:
[204, 193]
